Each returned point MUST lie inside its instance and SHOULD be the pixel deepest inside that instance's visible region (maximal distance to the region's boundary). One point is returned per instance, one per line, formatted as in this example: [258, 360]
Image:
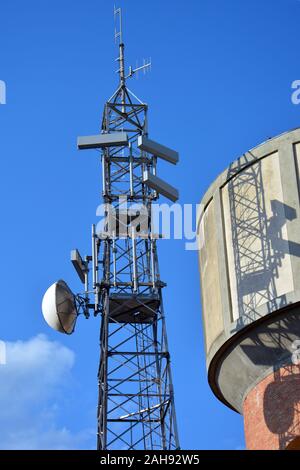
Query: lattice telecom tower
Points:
[136, 401]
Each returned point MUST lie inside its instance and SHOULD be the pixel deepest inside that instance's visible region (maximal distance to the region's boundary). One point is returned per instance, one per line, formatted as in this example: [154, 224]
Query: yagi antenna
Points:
[121, 59]
[145, 67]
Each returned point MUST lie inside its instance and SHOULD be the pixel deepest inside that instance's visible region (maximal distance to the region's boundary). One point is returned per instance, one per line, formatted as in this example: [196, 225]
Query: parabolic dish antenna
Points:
[59, 307]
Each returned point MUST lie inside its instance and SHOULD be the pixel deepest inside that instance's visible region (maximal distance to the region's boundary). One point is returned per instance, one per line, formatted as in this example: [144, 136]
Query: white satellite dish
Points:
[59, 307]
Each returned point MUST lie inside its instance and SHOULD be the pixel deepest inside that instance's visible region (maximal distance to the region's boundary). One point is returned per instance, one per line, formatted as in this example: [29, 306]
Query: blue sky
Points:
[220, 84]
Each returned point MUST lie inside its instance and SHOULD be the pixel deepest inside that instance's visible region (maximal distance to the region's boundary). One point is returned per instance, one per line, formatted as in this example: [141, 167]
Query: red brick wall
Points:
[272, 410]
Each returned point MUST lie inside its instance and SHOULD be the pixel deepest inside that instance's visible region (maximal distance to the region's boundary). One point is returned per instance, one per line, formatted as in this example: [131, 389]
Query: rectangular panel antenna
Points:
[161, 187]
[158, 150]
[78, 264]
[116, 139]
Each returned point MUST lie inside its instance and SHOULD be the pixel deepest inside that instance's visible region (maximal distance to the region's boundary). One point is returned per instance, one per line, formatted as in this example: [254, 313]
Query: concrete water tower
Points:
[249, 240]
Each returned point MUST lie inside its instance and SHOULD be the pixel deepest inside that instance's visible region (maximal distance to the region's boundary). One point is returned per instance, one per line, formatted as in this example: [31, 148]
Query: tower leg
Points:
[102, 380]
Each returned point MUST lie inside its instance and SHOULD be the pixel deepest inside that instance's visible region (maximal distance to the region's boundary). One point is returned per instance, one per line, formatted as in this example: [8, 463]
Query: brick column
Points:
[272, 411]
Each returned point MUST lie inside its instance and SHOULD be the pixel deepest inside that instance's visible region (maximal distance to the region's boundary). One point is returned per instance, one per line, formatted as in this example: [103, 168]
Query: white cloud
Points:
[32, 382]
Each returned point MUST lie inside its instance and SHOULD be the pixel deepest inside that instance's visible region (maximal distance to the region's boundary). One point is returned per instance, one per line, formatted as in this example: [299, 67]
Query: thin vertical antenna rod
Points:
[121, 59]
[119, 37]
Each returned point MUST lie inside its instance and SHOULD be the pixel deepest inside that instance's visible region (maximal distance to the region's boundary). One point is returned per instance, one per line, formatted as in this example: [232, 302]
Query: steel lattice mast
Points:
[136, 400]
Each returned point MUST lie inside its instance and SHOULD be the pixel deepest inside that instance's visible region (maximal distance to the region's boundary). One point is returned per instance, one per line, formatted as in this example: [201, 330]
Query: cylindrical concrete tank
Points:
[249, 250]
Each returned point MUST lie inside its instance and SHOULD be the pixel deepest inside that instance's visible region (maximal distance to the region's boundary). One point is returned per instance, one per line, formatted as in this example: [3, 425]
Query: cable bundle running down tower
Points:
[136, 400]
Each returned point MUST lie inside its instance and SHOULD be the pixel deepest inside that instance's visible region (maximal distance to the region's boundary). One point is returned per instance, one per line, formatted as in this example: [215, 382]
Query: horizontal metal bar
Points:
[127, 353]
[138, 197]
[139, 160]
[129, 284]
[122, 380]
[127, 105]
[116, 420]
[135, 395]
